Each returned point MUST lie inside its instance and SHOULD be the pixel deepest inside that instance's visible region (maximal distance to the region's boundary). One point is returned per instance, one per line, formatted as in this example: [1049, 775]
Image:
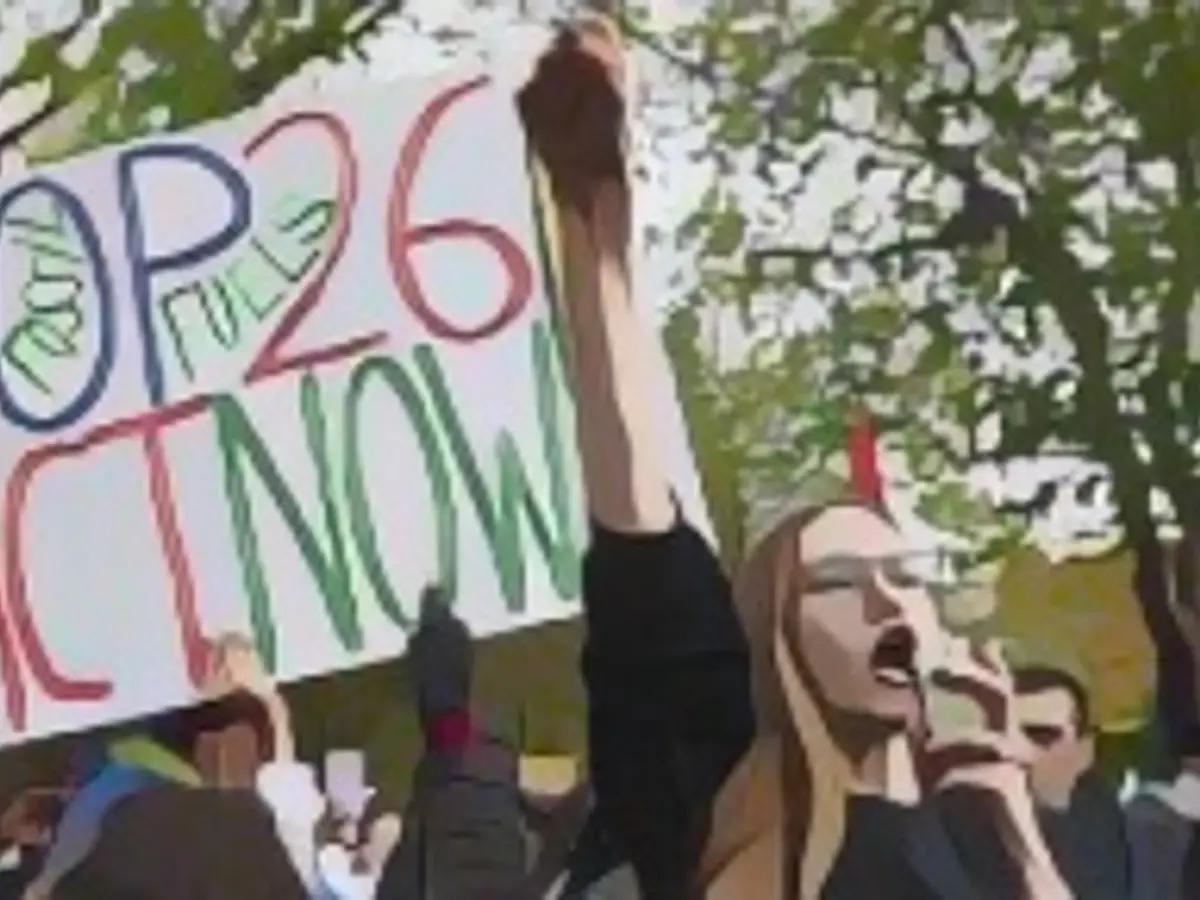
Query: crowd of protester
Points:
[804, 730]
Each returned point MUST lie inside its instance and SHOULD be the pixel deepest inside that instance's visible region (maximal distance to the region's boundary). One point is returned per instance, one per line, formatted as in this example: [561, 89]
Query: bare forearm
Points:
[1000, 842]
[615, 375]
[284, 749]
[1040, 873]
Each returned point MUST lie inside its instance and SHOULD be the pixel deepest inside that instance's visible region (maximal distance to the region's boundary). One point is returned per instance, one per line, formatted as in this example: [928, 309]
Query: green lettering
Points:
[261, 274]
[11, 351]
[168, 305]
[362, 525]
[241, 444]
[312, 218]
[499, 512]
[44, 238]
[48, 338]
[224, 327]
[291, 273]
[43, 249]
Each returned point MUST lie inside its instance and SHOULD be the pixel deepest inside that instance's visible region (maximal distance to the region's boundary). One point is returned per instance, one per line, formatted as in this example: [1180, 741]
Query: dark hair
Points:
[174, 843]
[179, 730]
[1036, 679]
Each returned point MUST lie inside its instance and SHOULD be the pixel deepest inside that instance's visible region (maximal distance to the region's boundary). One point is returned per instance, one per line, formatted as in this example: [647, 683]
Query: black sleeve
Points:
[462, 830]
[666, 668]
[968, 815]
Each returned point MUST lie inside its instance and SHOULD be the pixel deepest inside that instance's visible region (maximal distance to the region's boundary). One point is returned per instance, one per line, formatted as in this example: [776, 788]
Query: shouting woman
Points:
[783, 737]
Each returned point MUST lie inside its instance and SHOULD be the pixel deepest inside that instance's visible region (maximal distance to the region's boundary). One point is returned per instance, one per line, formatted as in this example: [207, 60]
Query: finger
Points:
[969, 661]
[942, 757]
[598, 29]
[970, 683]
[973, 748]
[991, 699]
[610, 58]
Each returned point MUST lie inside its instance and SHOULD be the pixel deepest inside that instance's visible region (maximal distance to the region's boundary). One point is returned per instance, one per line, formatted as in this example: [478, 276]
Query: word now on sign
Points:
[274, 377]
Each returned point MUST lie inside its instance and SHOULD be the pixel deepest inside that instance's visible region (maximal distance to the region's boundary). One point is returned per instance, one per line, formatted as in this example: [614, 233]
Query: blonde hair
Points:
[813, 772]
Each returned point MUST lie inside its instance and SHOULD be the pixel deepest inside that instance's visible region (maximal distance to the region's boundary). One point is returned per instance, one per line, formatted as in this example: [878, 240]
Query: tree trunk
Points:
[1164, 578]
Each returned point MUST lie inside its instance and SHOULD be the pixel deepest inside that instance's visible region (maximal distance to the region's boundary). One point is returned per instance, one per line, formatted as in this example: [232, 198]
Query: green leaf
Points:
[193, 65]
[1074, 277]
[953, 507]
[740, 125]
[726, 232]
[934, 357]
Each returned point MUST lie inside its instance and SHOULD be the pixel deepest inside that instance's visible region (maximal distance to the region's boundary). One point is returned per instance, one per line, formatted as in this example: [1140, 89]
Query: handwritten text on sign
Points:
[275, 376]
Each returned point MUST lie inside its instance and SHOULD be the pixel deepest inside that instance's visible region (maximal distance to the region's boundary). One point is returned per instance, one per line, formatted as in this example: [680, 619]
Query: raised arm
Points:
[665, 661]
[573, 110]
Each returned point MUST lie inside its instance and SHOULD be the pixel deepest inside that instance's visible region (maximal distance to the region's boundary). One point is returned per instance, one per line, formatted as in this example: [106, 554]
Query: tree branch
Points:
[324, 40]
[15, 134]
[44, 52]
[243, 25]
[941, 16]
[694, 69]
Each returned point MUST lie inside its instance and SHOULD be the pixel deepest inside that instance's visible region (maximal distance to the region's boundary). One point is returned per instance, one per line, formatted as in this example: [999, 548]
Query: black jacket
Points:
[463, 836]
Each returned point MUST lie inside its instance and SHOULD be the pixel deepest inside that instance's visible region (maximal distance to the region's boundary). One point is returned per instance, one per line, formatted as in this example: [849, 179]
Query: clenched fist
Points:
[573, 110]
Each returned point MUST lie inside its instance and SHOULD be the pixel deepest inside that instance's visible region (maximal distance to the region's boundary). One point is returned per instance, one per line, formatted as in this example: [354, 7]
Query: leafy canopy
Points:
[979, 221]
[151, 65]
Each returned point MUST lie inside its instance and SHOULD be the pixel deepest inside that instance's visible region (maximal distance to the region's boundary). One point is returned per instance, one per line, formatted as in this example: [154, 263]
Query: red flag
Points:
[866, 480]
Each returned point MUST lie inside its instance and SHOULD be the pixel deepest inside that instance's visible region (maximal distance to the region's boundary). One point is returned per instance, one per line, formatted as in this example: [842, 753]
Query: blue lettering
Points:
[92, 389]
[143, 267]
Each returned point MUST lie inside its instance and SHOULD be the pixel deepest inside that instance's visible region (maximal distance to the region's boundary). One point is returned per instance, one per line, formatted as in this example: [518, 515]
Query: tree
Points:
[1008, 278]
[155, 65]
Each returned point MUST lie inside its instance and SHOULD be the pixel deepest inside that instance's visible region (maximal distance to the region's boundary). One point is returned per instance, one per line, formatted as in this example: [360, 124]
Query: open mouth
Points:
[893, 661]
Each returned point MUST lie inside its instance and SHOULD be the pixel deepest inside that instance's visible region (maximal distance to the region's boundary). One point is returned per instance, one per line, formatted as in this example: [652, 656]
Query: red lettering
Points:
[15, 701]
[56, 685]
[162, 500]
[271, 359]
[404, 237]
[50, 679]
[18, 629]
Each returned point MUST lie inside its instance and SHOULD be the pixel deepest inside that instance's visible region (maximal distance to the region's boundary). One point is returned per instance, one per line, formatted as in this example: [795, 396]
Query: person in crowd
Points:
[351, 860]
[189, 792]
[1163, 818]
[469, 832]
[27, 828]
[1162, 822]
[379, 834]
[1080, 812]
[808, 731]
[462, 833]
[175, 842]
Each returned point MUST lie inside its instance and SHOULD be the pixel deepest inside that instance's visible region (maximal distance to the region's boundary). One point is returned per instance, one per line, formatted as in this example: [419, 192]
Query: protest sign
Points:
[274, 376]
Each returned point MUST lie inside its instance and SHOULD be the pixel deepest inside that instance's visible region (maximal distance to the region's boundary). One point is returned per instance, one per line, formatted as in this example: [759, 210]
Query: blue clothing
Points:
[80, 825]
